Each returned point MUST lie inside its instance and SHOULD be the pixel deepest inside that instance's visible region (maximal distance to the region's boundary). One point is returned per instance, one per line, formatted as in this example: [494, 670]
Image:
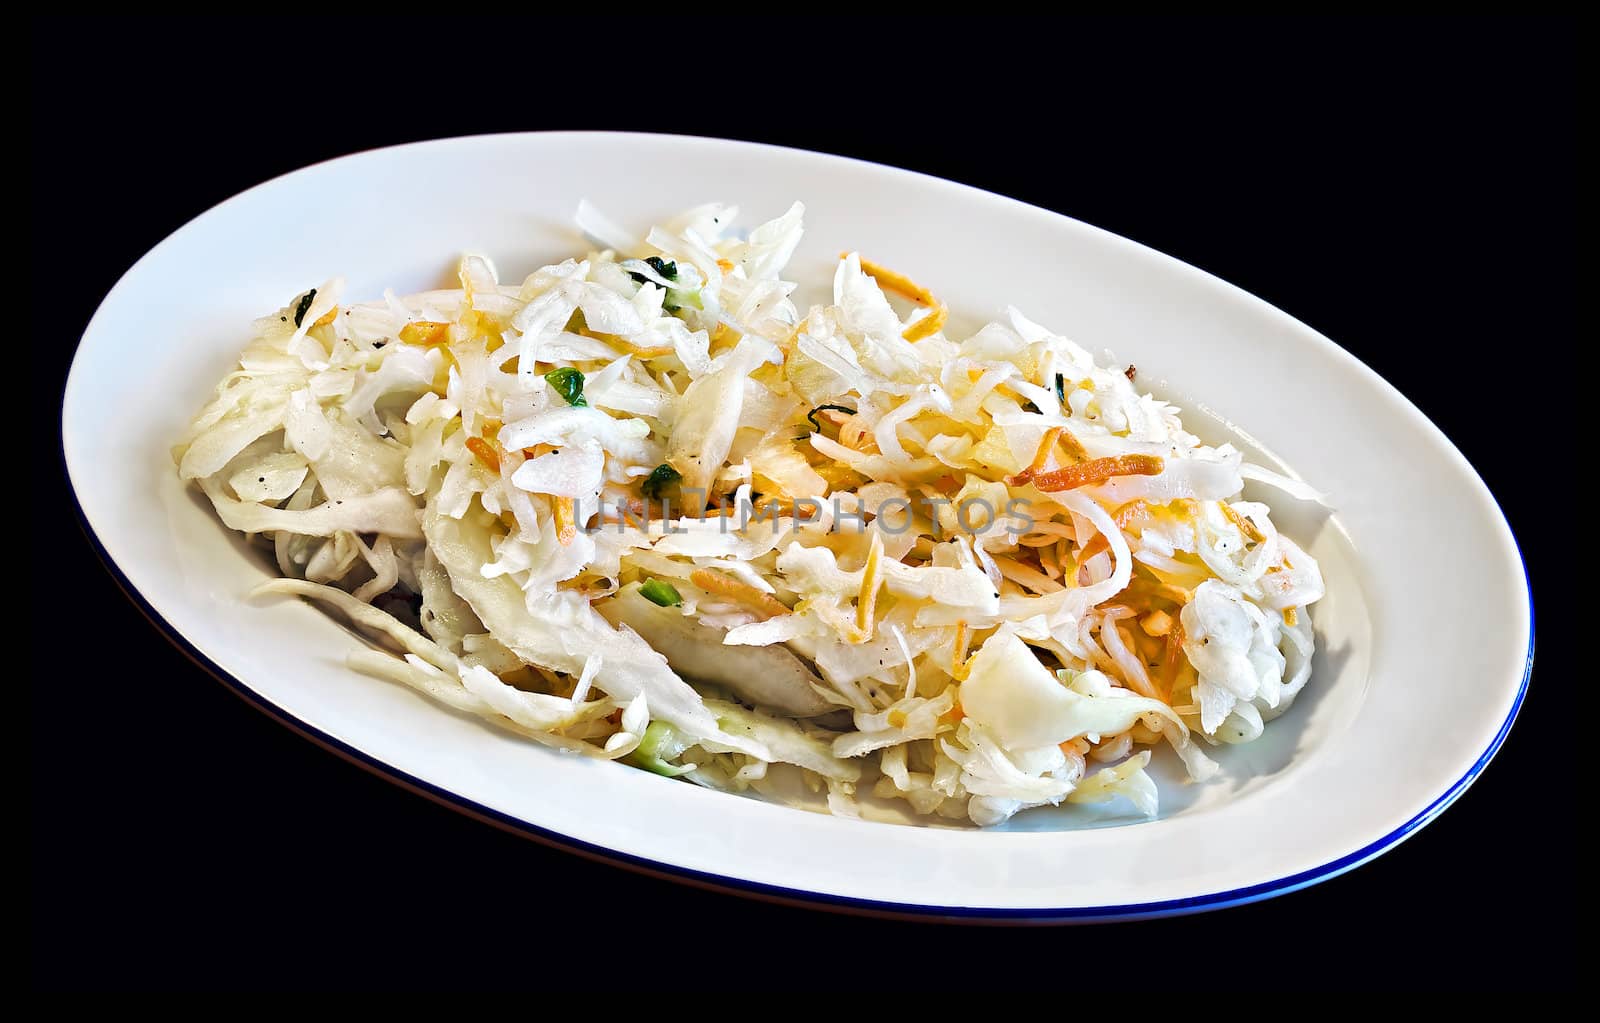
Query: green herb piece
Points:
[666, 269]
[660, 593]
[812, 415]
[675, 298]
[303, 306]
[568, 383]
[661, 479]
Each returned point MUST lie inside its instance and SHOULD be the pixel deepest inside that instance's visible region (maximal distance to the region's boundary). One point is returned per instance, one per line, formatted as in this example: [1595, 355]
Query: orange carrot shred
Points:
[1098, 470]
[566, 525]
[1175, 656]
[1074, 447]
[1096, 544]
[1041, 457]
[488, 452]
[425, 332]
[725, 585]
[929, 325]
[1243, 524]
[871, 581]
[900, 284]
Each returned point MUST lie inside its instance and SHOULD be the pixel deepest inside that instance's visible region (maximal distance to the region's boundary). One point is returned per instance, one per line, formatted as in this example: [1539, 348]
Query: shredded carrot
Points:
[566, 525]
[871, 580]
[725, 265]
[650, 351]
[1096, 545]
[1071, 477]
[900, 284]
[927, 326]
[1069, 564]
[896, 718]
[964, 669]
[958, 649]
[425, 332]
[1291, 617]
[622, 344]
[1243, 524]
[893, 280]
[1175, 656]
[1041, 457]
[726, 585]
[488, 452]
[327, 317]
[1074, 447]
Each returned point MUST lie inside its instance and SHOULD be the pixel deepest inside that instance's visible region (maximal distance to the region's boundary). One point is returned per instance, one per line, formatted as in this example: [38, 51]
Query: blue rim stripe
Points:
[819, 900]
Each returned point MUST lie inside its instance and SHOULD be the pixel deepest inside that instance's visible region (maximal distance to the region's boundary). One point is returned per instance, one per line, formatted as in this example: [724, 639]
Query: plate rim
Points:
[759, 889]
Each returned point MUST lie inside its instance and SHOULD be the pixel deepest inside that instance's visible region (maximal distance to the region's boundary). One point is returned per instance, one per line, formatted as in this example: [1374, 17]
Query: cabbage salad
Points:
[640, 506]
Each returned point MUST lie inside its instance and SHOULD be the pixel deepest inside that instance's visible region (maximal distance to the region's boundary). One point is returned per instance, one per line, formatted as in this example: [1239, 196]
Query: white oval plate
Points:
[1424, 639]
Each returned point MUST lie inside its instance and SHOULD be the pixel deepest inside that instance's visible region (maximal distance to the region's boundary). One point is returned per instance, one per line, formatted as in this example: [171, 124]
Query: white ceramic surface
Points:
[1425, 637]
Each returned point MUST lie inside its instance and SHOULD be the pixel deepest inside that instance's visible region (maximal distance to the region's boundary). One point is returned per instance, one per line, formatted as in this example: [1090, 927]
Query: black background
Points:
[1406, 187]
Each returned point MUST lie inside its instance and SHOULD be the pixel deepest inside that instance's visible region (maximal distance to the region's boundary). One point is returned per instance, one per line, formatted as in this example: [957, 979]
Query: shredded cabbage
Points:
[802, 486]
